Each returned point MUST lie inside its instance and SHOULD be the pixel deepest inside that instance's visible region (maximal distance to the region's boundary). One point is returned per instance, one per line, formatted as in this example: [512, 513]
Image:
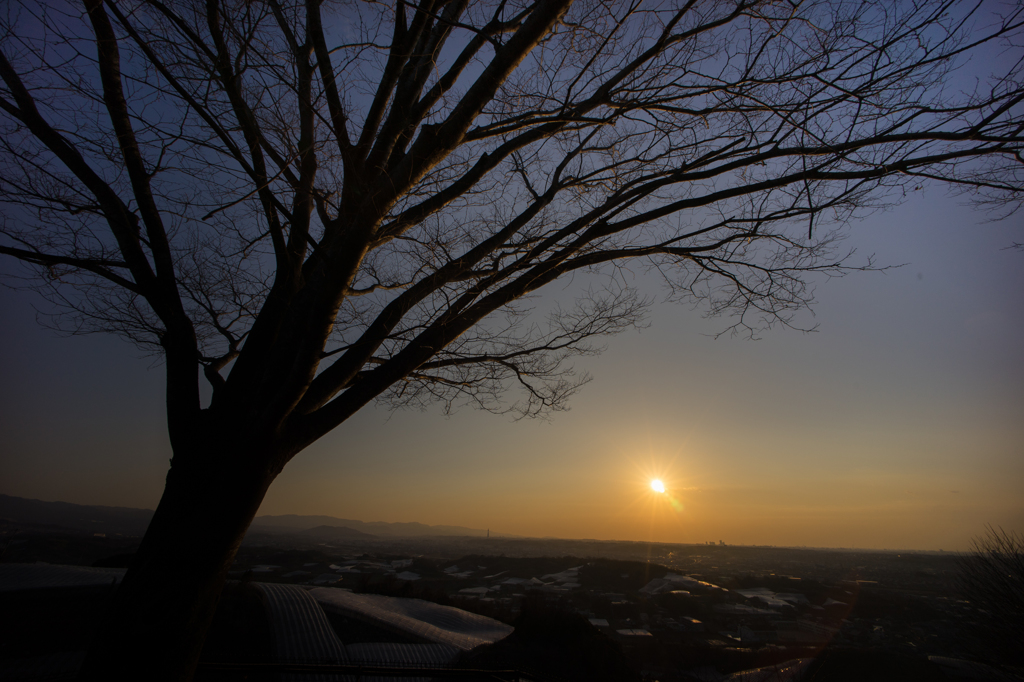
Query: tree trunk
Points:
[163, 608]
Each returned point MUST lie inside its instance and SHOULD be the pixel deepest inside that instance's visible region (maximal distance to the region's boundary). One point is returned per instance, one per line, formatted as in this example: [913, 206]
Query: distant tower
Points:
[488, 532]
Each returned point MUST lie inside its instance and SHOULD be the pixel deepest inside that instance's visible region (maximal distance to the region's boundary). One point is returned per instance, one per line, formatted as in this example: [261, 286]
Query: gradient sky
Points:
[898, 424]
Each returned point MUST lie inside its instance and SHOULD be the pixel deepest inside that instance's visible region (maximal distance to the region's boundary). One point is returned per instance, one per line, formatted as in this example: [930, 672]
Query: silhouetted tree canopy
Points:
[991, 577]
[324, 204]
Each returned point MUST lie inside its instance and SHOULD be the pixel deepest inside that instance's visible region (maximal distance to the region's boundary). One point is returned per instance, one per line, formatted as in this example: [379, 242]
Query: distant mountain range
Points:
[334, 534]
[79, 517]
[128, 521]
[291, 523]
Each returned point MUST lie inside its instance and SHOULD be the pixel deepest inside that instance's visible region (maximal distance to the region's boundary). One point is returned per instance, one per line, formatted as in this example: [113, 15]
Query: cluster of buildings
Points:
[642, 607]
[696, 612]
[678, 617]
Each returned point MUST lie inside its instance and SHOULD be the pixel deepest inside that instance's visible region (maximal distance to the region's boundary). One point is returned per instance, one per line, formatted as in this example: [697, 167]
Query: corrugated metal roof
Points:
[412, 655]
[401, 655]
[300, 630]
[301, 633]
[415, 618]
[299, 627]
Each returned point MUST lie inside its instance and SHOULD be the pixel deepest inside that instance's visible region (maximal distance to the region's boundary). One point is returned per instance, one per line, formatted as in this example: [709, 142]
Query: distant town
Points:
[660, 611]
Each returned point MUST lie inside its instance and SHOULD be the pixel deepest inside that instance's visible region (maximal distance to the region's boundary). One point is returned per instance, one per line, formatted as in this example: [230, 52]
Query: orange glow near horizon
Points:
[657, 506]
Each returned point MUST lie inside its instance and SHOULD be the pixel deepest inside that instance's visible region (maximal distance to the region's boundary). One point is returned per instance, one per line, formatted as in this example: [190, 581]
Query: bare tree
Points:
[322, 205]
[991, 577]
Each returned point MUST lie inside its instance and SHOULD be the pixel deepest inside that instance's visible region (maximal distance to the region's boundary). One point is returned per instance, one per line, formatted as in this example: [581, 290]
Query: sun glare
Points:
[657, 486]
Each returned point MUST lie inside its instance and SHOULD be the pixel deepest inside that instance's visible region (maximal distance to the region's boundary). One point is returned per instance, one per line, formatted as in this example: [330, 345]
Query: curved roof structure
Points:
[422, 620]
[298, 626]
[301, 633]
[300, 630]
[411, 655]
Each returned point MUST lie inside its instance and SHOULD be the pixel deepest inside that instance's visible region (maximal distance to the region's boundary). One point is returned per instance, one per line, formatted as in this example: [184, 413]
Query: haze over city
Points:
[896, 424]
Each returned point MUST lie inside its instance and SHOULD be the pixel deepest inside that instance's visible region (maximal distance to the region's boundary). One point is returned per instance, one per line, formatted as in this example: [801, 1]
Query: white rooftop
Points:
[415, 618]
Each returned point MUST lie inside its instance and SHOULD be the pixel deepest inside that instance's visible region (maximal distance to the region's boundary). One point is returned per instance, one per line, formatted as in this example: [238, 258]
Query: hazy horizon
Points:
[896, 424]
[499, 534]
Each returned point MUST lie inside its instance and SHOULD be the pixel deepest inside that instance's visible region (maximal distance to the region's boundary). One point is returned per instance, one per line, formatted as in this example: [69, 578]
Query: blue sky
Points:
[899, 423]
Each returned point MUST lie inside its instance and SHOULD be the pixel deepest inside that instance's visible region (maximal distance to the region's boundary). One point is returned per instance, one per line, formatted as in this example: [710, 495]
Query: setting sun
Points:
[657, 486]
